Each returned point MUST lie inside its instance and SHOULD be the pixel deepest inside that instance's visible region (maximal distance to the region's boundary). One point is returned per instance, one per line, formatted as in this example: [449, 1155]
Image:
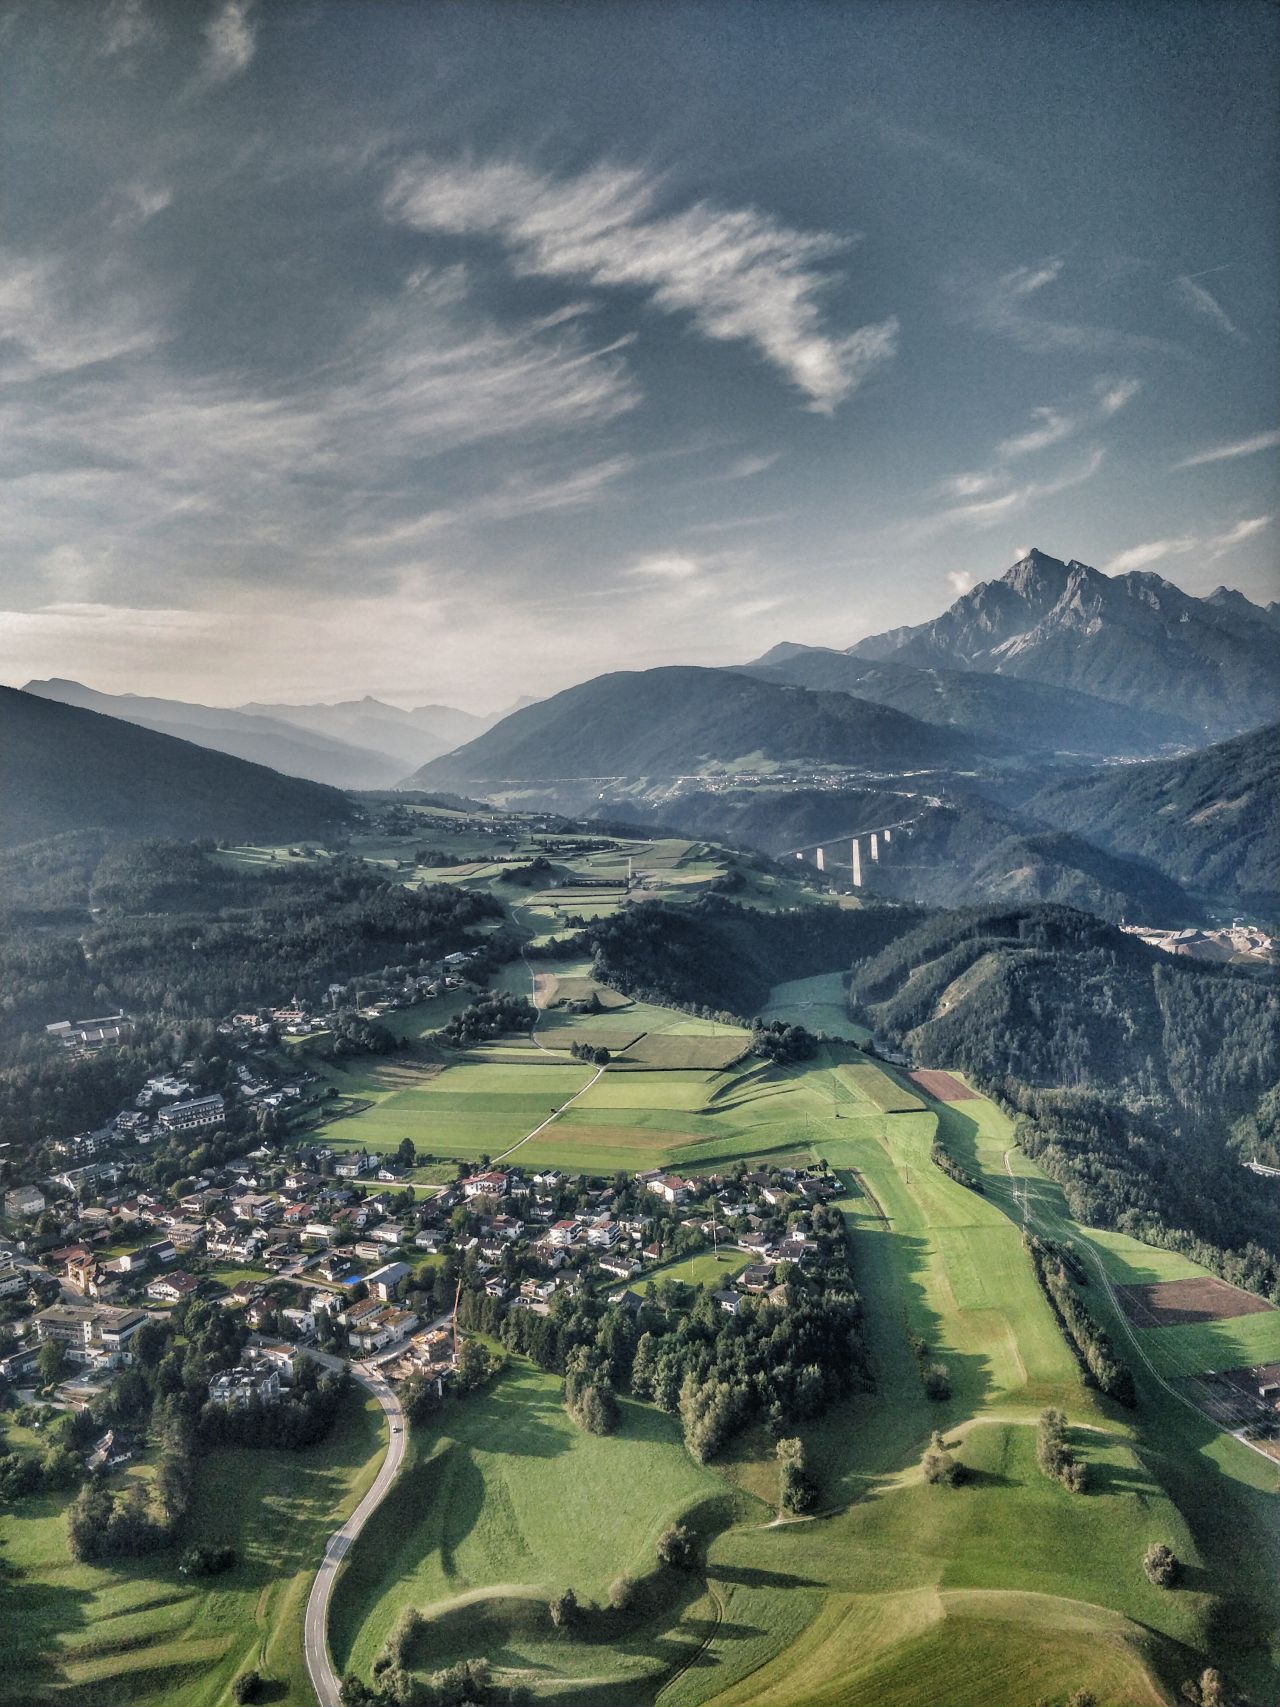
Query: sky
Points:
[457, 353]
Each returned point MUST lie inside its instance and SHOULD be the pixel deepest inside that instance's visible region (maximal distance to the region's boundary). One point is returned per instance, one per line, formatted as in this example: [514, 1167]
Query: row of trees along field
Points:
[781, 1361]
[1088, 1337]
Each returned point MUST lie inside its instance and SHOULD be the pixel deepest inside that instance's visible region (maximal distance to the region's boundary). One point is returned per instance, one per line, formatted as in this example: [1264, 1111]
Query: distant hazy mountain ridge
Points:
[1039, 715]
[65, 768]
[355, 744]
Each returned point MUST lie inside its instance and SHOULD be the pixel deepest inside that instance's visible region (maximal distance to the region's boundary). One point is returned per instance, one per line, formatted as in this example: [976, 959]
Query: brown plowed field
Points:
[1170, 1303]
[941, 1086]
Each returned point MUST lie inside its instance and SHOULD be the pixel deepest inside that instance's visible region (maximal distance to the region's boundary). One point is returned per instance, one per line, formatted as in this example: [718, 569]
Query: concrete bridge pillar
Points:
[857, 864]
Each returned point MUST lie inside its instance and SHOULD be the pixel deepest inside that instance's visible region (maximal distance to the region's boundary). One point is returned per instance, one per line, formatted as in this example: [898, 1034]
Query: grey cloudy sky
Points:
[457, 352]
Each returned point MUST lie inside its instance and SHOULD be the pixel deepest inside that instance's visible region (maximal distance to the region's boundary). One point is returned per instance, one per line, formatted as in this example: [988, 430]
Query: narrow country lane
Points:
[315, 1637]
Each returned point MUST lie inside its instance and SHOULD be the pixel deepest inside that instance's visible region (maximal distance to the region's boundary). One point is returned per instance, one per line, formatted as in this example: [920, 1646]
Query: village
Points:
[336, 1252]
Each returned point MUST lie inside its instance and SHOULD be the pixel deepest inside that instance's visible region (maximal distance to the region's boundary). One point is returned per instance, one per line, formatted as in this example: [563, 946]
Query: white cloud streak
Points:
[1050, 427]
[1229, 452]
[1213, 546]
[1202, 302]
[740, 275]
[129, 27]
[119, 445]
[1007, 306]
[230, 42]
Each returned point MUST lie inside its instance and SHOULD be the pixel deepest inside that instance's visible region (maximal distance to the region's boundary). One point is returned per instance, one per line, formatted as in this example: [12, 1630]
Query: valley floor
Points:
[1006, 1590]
[998, 1593]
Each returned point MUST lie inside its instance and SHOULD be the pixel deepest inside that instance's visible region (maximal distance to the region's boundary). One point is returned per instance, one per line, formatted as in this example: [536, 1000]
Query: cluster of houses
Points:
[332, 1251]
[371, 995]
[83, 1036]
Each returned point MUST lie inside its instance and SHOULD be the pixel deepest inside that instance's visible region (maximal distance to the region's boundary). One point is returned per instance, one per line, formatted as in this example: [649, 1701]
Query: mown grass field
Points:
[508, 1503]
[1003, 1591]
[819, 1004]
[139, 1635]
[879, 1088]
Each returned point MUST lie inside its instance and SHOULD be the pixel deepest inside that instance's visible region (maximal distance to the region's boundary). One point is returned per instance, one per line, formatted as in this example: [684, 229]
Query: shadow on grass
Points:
[35, 1618]
[751, 1577]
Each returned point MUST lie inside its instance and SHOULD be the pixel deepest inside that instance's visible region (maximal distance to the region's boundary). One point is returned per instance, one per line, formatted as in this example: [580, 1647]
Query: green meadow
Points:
[140, 1635]
[1006, 1590]
[819, 1004]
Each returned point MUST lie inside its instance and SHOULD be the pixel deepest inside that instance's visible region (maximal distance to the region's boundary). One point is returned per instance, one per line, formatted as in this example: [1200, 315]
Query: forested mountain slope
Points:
[973, 851]
[675, 720]
[1130, 1066]
[1211, 820]
[62, 768]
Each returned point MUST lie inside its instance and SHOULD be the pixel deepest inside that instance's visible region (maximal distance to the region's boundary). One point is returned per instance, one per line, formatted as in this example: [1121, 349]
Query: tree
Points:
[247, 1687]
[797, 1491]
[1162, 1565]
[937, 1382]
[678, 1548]
[940, 1468]
[563, 1609]
[622, 1593]
[51, 1362]
[406, 1152]
[1208, 1690]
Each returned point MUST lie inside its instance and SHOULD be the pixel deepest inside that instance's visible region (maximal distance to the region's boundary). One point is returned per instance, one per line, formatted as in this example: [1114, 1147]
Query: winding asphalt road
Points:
[315, 1628]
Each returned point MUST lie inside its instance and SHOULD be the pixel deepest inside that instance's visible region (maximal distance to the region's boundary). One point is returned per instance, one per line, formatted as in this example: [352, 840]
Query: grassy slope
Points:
[138, 1635]
[820, 1003]
[1000, 1592]
[511, 1502]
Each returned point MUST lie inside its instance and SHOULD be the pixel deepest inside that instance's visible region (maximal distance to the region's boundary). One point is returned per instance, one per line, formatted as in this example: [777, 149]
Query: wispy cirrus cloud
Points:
[129, 26]
[1010, 305]
[1051, 424]
[108, 438]
[986, 512]
[1049, 427]
[1193, 295]
[1228, 452]
[1211, 546]
[57, 319]
[740, 275]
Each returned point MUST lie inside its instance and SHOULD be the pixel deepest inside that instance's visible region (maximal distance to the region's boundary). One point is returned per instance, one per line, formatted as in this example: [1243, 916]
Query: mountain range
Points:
[1038, 715]
[361, 743]
[66, 768]
[684, 719]
[1134, 639]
